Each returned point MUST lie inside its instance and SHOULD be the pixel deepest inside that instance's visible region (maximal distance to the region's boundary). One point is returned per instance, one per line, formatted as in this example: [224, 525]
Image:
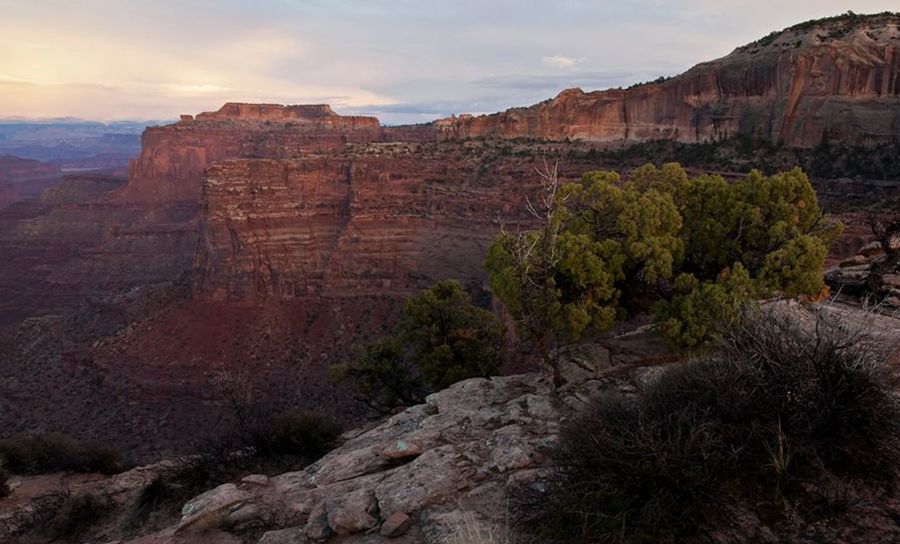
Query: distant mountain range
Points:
[69, 139]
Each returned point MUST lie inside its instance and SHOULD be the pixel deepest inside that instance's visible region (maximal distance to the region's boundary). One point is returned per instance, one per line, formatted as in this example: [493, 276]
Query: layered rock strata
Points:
[833, 80]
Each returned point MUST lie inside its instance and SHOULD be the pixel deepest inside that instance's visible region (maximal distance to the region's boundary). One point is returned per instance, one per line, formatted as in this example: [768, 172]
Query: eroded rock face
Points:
[375, 220]
[870, 273]
[411, 478]
[825, 80]
[361, 496]
[173, 157]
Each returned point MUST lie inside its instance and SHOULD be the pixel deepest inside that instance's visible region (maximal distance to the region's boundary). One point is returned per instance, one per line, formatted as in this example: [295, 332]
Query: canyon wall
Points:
[380, 219]
[173, 157]
[839, 81]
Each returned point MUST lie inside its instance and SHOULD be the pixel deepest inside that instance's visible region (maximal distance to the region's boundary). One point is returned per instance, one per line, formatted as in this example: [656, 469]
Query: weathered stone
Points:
[513, 449]
[244, 517]
[212, 508]
[872, 249]
[293, 535]
[891, 281]
[855, 276]
[352, 512]
[856, 260]
[255, 480]
[432, 478]
[395, 525]
[401, 449]
[317, 528]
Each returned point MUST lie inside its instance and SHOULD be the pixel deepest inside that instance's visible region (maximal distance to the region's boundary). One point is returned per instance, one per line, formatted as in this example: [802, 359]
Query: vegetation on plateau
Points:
[743, 153]
[693, 251]
[53, 452]
[839, 25]
[441, 338]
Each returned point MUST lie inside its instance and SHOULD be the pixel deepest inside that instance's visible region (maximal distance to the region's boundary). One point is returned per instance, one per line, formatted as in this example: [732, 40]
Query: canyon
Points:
[262, 242]
[23, 178]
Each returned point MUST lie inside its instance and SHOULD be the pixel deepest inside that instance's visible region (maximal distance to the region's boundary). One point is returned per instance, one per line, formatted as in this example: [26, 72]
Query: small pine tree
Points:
[700, 247]
[441, 338]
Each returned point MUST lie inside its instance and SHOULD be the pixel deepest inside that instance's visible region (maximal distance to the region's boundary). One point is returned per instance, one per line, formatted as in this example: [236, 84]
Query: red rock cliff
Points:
[838, 78]
[382, 219]
[173, 157]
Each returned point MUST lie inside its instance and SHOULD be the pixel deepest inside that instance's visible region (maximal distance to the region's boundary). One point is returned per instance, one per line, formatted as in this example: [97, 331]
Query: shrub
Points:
[304, 434]
[167, 492]
[76, 516]
[261, 440]
[36, 454]
[469, 529]
[265, 433]
[440, 339]
[607, 247]
[780, 406]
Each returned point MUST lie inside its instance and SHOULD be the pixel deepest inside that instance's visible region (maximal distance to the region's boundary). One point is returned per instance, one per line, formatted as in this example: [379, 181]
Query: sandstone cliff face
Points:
[830, 80]
[173, 157]
[380, 219]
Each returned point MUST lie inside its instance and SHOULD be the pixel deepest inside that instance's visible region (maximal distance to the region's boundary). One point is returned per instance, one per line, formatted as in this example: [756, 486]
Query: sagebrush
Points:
[783, 406]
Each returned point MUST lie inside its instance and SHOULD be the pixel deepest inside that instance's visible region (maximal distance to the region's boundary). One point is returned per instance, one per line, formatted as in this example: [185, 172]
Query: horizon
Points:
[389, 59]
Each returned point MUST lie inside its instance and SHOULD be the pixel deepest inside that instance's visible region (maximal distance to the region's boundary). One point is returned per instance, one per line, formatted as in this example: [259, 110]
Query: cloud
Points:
[405, 60]
[558, 82]
[559, 61]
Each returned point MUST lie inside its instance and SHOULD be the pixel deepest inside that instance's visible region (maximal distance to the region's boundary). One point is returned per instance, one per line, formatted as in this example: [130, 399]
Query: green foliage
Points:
[38, 454]
[699, 310]
[838, 25]
[795, 268]
[742, 153]
[440, 339]
[702, 247]
[779, 418]
[381, 375]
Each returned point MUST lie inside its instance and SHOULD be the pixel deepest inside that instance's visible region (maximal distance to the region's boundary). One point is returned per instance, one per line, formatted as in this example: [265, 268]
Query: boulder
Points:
[872, 249]
[293, 535]
[255, 480]
[352, 512]
[395, 525]
[213, 508]
[400, 450]
[891, 281]
[856, 260]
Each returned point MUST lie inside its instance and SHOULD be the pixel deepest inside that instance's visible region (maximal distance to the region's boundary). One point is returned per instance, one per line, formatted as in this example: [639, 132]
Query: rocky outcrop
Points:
[435, 471]
[871, 272]
[414, 477]
[173, 157]
[35, 500]
[838, 80]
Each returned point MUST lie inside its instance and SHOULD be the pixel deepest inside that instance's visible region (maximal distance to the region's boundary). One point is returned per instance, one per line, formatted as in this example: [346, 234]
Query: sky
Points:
[403, 61]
